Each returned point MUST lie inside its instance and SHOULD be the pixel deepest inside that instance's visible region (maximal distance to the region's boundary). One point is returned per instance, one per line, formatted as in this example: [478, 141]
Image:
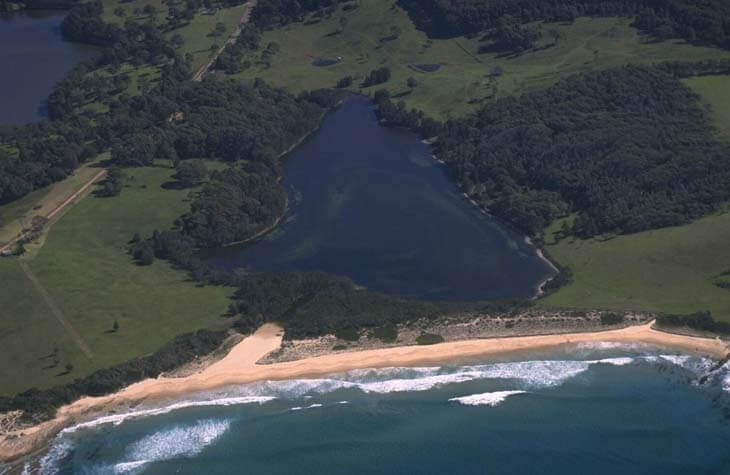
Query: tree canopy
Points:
[707, 21]
[627, 149]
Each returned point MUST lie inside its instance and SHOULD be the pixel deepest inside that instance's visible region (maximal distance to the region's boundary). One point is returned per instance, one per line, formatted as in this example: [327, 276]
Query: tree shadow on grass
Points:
[173, 185]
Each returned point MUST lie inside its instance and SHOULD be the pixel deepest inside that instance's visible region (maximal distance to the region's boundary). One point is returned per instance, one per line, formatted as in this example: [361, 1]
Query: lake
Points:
[370, 203]
[34, 57]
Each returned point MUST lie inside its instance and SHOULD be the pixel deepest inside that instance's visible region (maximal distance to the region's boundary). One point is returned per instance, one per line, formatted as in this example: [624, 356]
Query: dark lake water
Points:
[370, 203]
[34, 57]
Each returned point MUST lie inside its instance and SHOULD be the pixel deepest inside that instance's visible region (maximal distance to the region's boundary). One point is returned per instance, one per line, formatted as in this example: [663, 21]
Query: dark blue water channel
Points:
[370, 203]
[33, 58]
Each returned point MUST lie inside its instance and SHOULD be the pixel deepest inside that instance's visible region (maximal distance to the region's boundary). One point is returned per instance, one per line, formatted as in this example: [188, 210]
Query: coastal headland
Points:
[240, 366]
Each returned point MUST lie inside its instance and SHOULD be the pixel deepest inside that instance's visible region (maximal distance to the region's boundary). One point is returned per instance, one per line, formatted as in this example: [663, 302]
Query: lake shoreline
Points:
[241, 366]
[539, 251]
[282, 156]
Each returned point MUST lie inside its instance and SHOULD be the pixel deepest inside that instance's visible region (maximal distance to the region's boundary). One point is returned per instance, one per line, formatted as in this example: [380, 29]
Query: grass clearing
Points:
[667, 270]
[466, 78]
[87, 272]
[111, 6]
[42, 201]
[196, 33]
[715, 93]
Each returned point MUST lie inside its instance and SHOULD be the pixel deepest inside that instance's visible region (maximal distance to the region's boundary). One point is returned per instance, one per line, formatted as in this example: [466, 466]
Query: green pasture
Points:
[84, 267]
[466, 78]
[671, 270]
[715, 93]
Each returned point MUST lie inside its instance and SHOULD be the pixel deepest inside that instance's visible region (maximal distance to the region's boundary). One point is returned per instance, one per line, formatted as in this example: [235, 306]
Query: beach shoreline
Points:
[241, 366]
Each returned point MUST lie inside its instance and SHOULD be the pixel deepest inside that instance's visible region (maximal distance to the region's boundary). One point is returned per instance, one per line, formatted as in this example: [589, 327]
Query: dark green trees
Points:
[377, 76]
[627, 149]
[191, 173]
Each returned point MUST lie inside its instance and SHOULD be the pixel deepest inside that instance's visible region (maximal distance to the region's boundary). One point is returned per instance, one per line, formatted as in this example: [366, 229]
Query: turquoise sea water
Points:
[600, 409]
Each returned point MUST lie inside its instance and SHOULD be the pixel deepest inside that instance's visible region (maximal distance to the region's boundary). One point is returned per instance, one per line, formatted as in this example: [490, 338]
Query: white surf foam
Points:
[117, 419]
[485, 399]
[311, 406]
[178, 441]
[611, 346]
[621, 361]
[48, 464]
[129, 467]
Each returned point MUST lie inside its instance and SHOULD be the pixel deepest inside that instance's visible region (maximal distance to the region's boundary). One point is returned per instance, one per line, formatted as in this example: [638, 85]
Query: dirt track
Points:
[198, 76]
[60, 207]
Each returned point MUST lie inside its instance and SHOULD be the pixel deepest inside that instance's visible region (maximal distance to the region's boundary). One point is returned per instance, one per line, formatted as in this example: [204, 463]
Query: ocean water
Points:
[598, 409]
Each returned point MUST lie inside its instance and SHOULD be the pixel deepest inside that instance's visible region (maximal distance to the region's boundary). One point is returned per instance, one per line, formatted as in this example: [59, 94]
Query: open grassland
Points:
[133, 10]
[197, 33]
[84, 269]
[667, 270]
[19, 214]
[466, 78]
[715, 93]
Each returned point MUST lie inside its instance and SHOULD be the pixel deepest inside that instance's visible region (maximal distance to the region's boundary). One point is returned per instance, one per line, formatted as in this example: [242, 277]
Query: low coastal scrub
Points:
[429, 339]
[313, 304]
[701, 321]
[38, 405]
[386, 333]
[611, 318]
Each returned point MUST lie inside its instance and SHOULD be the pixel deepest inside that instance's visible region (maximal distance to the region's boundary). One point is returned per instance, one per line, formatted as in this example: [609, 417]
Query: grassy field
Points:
[110, 6]
[465, 77]
[84, 268]
[715, 92]
[667, 270]
[42, 201]
[196, 33]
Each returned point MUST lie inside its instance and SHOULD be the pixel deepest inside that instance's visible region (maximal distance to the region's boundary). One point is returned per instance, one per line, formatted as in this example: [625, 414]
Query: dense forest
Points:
[627, 149]
[235, 205]
[271, 13]
[706, 22]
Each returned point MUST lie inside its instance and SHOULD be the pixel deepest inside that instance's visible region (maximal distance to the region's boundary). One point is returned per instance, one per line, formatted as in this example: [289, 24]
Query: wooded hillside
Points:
[628, 150]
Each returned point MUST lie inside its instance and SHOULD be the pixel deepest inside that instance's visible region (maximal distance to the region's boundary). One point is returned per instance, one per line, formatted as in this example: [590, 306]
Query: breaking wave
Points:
[117, 419]
[300, 408]
[179, 441]
[485, 399]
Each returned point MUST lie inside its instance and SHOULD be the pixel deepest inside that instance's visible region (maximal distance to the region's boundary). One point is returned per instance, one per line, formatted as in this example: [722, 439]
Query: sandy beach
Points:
[240, 366]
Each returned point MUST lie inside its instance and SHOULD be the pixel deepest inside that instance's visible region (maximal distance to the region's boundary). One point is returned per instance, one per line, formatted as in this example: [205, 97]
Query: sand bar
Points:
[240, 366]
